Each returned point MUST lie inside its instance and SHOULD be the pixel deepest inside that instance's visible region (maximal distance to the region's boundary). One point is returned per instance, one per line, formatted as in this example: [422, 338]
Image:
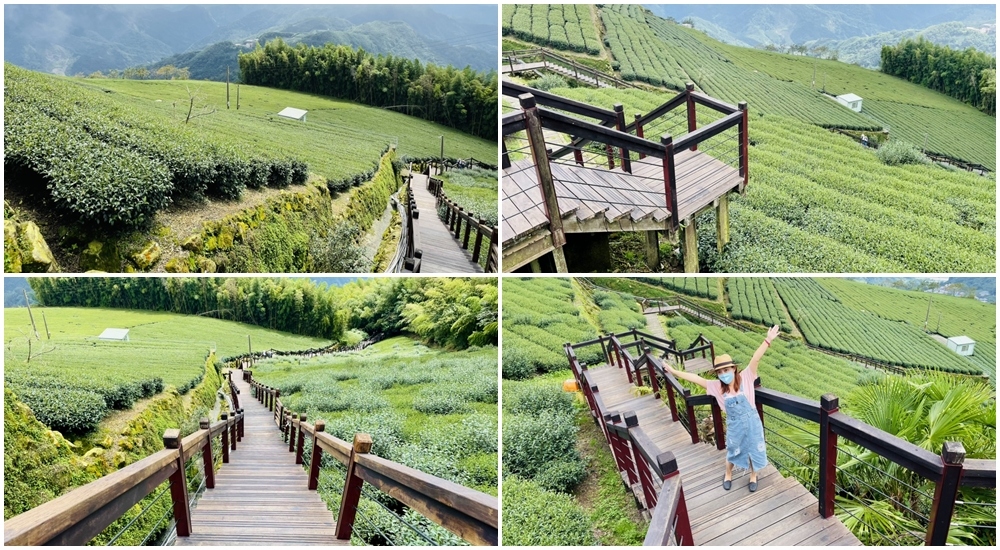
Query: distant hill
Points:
[857, 32]
[75, 39]
[13, 292]
[983, 289]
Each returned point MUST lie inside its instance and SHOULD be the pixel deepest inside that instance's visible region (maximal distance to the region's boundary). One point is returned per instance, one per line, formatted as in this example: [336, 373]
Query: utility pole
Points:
[928, 315]
[237, 96]
[814, 75]
[442, 149]
[30, 316]
[227, 86]
[250, 349]
[48, 335]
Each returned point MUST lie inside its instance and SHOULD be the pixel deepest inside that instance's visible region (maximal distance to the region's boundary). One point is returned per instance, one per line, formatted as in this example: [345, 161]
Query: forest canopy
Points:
[449, 312]
[462, 99]
[967, 75]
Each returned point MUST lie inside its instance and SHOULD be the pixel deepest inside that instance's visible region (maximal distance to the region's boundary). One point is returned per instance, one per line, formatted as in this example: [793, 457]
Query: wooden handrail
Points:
[470, 514]
[78, 516]
[512, 89]
[454, 218]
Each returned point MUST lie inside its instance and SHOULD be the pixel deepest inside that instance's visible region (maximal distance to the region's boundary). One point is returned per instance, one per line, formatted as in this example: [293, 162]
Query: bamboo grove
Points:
[454, 313]
[966, 75]
[461, 99]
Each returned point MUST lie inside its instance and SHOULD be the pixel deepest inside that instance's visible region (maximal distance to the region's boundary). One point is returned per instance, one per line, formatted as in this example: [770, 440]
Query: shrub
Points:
[549, 82]
[479, 469]
[532, 442]
[562, 475]
[536, 517]
[537, 398]
[439, 400]
[65, 410]
[516, 364]
[898, 152]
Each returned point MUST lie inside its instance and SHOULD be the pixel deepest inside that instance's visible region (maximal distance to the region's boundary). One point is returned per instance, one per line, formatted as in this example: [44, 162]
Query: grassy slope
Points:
[473, 190]
[956, 316]
[171, 346]
[340, 138]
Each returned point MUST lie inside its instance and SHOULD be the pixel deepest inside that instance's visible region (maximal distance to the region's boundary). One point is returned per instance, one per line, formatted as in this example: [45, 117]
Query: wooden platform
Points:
[521, 66]
[260, 497]
[780, 513]
[593, 200]
[443, 253]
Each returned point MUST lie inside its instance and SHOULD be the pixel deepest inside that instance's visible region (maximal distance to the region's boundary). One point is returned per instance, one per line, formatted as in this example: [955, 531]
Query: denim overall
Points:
[744, 434]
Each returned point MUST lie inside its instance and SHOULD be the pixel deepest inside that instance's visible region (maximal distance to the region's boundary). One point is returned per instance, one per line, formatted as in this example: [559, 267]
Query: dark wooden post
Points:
[505, 163]
[670, 180]
[692, 115]
[744, 130]
[178, 484]
[945, 493]
[673, 402]
[638, 131]
[631, 421]
[682, 525]
[291, 432]
[301, 442]
[352, 488]
[479, 241]
[620, 125]
[275, 394]
[828, 404]
[720, 439]
[317, 456]
[232, 432]
[578, 156]
[225, 439]
[239, 431]
[756, 385]
[692, 421]
[468, 230]
[536, 138]
[653, 382]
[206, 454]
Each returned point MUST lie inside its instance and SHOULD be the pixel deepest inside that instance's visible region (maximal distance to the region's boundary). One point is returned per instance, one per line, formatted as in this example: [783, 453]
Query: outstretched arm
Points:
[771, 335]
[689, 376]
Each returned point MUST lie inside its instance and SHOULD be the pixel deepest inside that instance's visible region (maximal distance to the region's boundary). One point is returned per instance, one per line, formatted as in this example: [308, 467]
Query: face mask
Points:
[726, 378]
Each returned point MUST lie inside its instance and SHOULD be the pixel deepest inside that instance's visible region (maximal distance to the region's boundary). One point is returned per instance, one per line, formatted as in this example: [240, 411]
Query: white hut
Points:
[114, 334]
[962, 345]
[293, 113]
[851, 101]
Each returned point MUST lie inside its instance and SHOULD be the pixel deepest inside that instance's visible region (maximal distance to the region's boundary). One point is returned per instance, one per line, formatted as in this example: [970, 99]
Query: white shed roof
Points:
[849, 97]
[961, 340]
[292, 112]
[114, 334]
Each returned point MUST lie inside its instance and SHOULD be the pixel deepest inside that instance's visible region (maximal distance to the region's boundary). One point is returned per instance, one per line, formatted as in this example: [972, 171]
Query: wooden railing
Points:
[411, 229]
[455, 216]
[647, 471]
[948, 471]
[512, 58]
[470, 514]
[80, 515]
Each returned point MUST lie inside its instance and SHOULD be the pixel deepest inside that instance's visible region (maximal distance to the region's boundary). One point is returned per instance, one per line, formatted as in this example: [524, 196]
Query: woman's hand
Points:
[772, 334]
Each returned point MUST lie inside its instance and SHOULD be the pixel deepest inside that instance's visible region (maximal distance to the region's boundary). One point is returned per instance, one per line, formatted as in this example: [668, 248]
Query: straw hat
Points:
[724, 361]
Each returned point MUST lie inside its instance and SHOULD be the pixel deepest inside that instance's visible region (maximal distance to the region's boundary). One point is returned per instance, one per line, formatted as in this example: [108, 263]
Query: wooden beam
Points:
[708, 131]
[722, 222]
[690, 246]
[512, 89]
[652, 250]
[520, 253]
[536, 138]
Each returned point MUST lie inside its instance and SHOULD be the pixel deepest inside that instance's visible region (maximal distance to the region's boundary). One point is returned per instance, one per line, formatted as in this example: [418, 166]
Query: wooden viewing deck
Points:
[540, 59]
[780, 513]
[261, 497]
[572, 168]
[442, 251]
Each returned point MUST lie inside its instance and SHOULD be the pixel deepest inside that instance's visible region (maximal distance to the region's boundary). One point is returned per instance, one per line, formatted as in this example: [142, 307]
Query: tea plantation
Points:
[73, 380]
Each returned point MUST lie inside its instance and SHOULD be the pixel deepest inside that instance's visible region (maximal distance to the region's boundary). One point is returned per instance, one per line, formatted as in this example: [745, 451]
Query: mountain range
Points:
[75, 39]
[856, 32]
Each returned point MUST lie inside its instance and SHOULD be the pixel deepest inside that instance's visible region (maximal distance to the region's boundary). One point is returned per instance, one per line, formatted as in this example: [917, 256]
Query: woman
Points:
[745, 447]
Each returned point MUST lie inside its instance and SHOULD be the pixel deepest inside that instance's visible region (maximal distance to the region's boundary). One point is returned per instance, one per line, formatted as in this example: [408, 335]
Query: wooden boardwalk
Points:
[598, 199]
[780, 513]
[443, 253]
[260, 496]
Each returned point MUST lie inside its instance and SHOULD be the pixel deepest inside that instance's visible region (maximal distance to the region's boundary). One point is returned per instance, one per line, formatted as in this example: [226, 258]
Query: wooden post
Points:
[653, 250]
[317, 457]
[744, 130]
[536, 138]
[352, 488]
[673, 402]
[611, 156]
[690, 246]
[638, 131]
[631, 421]
[206, 454]
[442, 151]
[301, 441]
[232, 432]
[578, 156]
[237, 96]
[692, 421]
[692, 115]
[670, 180]
[225, 440]
[945, 493]
[479, 241]
[505, 163]
[828, 404]
[45, 322]
[227, 86]
[626, 160]
[275, 394]
[682, 530]
[468, 231]
[30, 316]
[756, 386]
[722, 222]
[292, 417]
[239, 431]
[720, 431]
[178, 484]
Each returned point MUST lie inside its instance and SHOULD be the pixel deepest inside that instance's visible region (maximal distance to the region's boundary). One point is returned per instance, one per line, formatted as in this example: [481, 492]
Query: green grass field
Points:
[475, 190]
[338, 139]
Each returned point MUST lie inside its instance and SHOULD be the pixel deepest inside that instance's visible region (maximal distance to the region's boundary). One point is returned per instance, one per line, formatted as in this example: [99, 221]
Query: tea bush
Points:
[536, 517]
